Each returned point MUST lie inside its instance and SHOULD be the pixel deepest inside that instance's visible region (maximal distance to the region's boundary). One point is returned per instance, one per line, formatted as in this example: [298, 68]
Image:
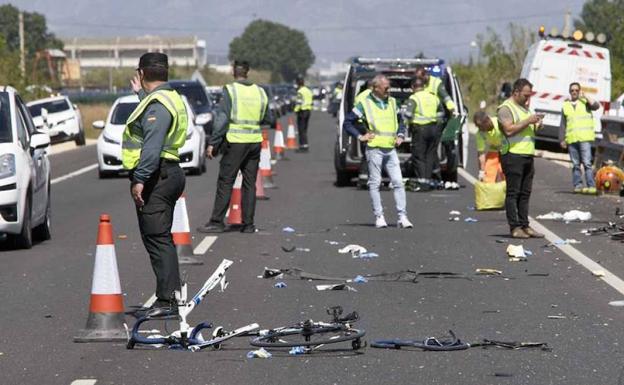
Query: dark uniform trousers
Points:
[303, 117]
[160, 194]
[519, 171]
[424, 149]
[237, 156]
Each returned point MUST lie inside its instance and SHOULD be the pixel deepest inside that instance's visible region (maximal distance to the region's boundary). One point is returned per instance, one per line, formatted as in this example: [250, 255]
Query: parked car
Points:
[215, 93]
[192, 154]
[400, 72]
[276, 105]
[59, 118]
[198, 99]
[24, 173]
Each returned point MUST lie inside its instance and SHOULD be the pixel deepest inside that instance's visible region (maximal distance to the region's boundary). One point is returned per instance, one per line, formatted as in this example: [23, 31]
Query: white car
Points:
[192, 154]
[59, 118]
[24, 173]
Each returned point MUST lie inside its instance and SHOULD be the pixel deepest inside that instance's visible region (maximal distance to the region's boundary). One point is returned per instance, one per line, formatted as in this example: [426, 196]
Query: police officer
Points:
[421, 116]
[518, 125]
[154, 132]
[303, 108]
[578, 133]
[243, 109]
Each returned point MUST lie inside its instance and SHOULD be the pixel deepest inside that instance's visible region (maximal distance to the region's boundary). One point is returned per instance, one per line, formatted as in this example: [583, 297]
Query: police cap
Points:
[153, 59]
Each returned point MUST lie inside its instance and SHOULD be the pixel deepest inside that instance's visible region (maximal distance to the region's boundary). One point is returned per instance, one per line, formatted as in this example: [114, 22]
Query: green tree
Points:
[36, 34]
[274, 47]
[607, 16]
[9, 67]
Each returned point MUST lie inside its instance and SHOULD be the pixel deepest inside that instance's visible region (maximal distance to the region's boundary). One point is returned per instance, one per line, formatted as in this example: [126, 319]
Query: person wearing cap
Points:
[303, 109]
[577, 134]
[384, 131]
[154, 132]
[237, 131]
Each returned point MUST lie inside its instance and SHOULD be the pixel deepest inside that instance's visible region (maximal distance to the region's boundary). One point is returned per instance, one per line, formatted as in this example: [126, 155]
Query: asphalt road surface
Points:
[45, 291]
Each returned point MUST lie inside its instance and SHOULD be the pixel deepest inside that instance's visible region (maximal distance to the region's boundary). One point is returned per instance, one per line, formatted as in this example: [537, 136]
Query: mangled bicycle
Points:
[310, 335]
[186, 337]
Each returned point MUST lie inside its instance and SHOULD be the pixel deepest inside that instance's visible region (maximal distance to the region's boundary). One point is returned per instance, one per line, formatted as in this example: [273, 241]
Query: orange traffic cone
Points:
[265, 138]
[260, 195]
[265, 166]
[235, 213]
[106, 310]
[278, 142]
[181, 233]
[291, 138]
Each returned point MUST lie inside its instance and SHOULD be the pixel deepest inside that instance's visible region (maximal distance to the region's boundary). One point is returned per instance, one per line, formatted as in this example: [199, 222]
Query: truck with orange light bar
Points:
[555, 61]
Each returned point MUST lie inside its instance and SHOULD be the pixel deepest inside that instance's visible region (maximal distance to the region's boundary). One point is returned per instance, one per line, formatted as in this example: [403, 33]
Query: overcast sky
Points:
[336, 29]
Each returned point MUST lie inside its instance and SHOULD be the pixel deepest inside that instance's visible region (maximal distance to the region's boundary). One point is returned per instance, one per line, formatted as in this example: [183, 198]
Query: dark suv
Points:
[400, 72]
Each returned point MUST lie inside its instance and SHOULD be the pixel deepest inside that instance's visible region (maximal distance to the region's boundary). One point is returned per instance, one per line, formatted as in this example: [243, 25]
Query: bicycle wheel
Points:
[309, 336]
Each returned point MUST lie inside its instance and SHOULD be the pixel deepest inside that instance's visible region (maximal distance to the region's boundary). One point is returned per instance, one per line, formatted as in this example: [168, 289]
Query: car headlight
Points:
[7, 165]
[189, 135]
[110, 140]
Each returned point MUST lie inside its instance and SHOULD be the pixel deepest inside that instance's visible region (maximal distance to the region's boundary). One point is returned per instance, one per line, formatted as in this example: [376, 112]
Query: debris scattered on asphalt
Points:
[271, 273]
[471, 208]
[398, 276]
[355, 250]
[490, 311]
[279, 285]
[568, 216]
[488, 272]
[260, 353]
[359, 279]
[288, 230]
[471, 220]
[333, 243]
[454, 213]
[297, 350]
[443, 274]
[47, 316]
[367, 255]
[305, 249]
[617, 303]
[122, 236]
[557, 317]
[502, 241]
[289, 249]
[453, 219]
[338, 286]
[568, 241]
[598, 273]
[516, 251]
[500, 374]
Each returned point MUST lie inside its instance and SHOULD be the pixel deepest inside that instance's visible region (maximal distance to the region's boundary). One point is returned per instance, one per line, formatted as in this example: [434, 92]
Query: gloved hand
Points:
[481, 175]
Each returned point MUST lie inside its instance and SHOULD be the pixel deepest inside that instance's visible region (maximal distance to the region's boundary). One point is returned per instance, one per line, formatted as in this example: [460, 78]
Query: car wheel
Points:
[24, 240]
[80, 138]
[42, 232]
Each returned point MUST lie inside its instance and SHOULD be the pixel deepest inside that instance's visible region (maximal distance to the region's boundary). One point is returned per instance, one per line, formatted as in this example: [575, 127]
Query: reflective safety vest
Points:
[434, 86]
[176, 135]
[579, 122]
[382, 122]
[491, 141]
[522, 143]
[426, 110]
[338, 93]
[304, 99]
[359, 98]
[249, 103]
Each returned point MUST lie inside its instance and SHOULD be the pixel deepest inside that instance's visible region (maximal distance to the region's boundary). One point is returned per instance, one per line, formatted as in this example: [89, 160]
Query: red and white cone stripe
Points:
[105, 288]
[181, 228]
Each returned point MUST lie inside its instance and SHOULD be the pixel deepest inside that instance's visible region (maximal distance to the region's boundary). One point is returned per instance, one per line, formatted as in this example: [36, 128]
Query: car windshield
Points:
[5, 119]
[52, 107]
[122, 112]
[196, 96]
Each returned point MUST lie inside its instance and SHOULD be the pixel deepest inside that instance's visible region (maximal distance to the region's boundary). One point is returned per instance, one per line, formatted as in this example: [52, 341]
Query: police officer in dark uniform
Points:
[242, 112]
[154, 133]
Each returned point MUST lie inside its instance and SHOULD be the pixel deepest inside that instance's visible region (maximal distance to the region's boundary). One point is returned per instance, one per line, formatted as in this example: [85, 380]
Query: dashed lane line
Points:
[84, 382]
[205, 244]
[609, 278]
[74, 173]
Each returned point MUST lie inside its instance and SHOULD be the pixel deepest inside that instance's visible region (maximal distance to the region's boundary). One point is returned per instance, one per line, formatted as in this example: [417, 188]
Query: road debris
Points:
[454, 213]
[557, 317]
[280, 285]
[598, 273]
[516, 253]
[488, 272]
[355, 250]
[289, 249]
[297, 350]
[568, 216]
[560, 242]
[471, 220]
[122, 236]
[617, 303]
[260, 353]
[336, 287]
[359, 279]
[453, 219]
[288, 229]
[366, 255]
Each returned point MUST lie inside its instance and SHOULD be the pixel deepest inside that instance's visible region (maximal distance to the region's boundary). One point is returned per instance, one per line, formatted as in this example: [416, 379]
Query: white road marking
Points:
[84, 382]
[205, 244]
[583, 260]
[74, 173]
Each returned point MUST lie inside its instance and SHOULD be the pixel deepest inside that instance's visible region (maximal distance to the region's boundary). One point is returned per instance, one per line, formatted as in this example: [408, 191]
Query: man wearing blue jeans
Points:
[577, 129]
[379, 112]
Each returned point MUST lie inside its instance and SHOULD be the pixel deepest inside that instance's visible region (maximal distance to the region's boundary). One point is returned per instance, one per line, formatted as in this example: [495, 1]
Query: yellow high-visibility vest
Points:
[523, 143]
[579, 122]
[176, 135]
[491, 141]
[382, 122]
[426, 110]
[304, 98]
[249, 103]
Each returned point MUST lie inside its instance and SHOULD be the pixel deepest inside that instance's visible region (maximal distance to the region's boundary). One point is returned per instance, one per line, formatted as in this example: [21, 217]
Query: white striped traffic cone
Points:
[106, 310]
[181, 233]
[265, 166]
[260, 195]
[278, 142]
[235, 213]
[291, 136]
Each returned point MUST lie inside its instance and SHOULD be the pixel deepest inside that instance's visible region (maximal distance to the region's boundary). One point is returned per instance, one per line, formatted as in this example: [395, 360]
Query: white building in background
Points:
[119, 52]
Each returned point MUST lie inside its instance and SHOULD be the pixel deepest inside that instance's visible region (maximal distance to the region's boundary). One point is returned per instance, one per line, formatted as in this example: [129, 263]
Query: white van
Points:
[551, 65]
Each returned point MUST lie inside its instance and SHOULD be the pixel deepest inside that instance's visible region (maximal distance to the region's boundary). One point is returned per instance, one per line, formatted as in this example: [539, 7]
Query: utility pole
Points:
[22, 46]
[567, 24]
